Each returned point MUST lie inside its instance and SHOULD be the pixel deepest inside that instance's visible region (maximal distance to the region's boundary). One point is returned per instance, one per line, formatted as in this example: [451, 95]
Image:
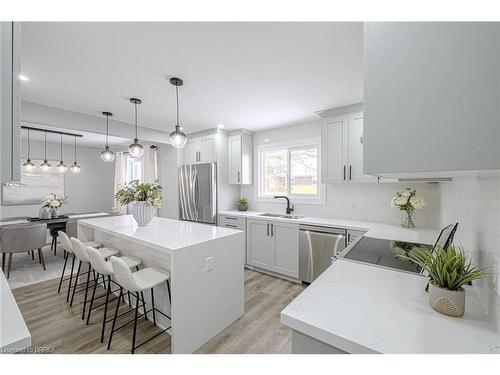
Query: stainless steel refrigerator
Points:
[198, 193]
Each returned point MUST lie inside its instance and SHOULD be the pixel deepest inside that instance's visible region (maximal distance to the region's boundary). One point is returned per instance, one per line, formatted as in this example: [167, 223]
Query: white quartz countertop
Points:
[361, 308]
[161, 232]
[14, 335]
[374, 230]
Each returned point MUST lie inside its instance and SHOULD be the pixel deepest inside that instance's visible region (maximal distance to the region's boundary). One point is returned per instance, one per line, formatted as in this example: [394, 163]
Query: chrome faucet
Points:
[289, 208]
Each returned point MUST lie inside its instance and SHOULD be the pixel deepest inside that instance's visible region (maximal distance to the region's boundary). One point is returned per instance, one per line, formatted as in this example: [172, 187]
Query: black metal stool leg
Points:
[144, 306]
[105, 316]
[70, 277]
[153, 306]
[169, 295]
[91, 302]
[76, 282]
[114, 318]
[135, 322]
[62, 275]
[86, 292]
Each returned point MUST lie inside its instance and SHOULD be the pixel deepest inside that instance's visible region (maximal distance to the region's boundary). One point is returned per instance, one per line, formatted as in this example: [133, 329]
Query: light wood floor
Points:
[59, 328]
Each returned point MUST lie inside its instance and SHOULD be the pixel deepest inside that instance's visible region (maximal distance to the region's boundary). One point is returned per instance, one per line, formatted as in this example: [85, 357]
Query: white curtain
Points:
[149, 168]
[120, 176]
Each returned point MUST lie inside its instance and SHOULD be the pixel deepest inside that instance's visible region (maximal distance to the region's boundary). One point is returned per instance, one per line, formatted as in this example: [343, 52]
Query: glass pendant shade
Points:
[45, 166]
[107, 155]
[61, 167]
[178, 138]
[29, 166]
[75, 168]
[135, 149]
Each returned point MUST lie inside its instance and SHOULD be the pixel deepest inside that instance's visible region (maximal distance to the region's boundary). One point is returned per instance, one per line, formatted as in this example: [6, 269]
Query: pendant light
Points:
[135, 149]
[29, 166]
[46, 167]
[177, 137]
[75, 168]
[107, 155]
[61, 167]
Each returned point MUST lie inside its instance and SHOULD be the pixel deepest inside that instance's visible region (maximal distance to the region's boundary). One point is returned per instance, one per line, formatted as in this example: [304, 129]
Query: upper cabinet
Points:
[342, 146]
[10, 101]
[431, 98]
[202, 149]
[240, 159]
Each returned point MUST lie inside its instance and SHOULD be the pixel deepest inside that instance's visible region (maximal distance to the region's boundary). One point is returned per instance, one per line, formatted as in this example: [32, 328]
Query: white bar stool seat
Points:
[137, 283]
[102, 267]
[68, 250]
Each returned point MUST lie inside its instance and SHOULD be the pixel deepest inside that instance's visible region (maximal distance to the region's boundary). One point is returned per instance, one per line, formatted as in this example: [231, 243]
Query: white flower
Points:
[418, 202]
[55, 203]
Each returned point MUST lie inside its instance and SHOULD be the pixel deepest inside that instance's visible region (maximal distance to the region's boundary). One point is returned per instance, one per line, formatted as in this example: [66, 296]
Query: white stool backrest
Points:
[123, 275]
[98, 262]
[79, 250]
[65, 241]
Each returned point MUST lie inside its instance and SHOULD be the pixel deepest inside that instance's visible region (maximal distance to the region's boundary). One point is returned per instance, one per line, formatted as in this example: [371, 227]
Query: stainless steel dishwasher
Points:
[317, 245]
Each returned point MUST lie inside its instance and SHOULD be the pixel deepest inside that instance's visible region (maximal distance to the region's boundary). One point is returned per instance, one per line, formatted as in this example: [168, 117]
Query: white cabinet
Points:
[10, 101]
[258, 244]
[431, 95]
[273, 246]
[203, 149]
[240, 159]
[342, 146]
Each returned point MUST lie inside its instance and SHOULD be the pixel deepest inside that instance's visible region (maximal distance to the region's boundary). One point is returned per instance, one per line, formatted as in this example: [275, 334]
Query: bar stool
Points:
[81, 253]
[104, 269]
[68, 250]
[138, 282]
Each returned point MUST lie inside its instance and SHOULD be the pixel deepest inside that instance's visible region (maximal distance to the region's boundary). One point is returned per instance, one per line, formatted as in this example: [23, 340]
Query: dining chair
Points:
[22, 238]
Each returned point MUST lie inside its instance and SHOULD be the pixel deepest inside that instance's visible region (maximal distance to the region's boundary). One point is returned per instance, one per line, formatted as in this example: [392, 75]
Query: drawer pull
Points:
[230, 218]
[230, 226]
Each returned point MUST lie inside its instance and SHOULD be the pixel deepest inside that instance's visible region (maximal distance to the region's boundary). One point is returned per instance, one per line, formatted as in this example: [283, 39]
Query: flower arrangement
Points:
[133, 192]
[54, 201]
[408, 201]
[448, 270]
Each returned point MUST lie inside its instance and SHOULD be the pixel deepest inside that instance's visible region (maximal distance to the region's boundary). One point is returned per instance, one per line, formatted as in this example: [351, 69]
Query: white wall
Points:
[474, 202]
[167, 174]
[350, 201]
[89, 191]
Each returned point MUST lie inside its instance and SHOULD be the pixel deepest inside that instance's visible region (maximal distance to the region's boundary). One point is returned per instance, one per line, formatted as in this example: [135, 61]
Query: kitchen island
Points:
[206, 265]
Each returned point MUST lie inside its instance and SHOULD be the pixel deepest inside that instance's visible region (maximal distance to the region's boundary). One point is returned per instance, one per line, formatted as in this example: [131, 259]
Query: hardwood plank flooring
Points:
[58, 328]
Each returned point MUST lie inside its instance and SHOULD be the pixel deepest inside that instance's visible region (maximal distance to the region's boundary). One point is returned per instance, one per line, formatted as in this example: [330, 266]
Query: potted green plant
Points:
[242, 204]
[448, 270]
[144, 197]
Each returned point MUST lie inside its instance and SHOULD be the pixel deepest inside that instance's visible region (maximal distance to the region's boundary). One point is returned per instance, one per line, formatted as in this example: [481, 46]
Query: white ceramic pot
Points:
[447, 302]
[142, 213]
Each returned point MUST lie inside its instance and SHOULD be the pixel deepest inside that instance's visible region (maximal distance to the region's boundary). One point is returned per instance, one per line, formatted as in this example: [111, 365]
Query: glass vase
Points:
[407, 219]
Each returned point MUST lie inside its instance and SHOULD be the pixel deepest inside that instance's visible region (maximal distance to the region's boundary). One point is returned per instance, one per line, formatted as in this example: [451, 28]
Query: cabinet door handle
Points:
[272, 230]
[199, 155]
[344, 172]
[350, 172]
[268, 229]
[238, 176]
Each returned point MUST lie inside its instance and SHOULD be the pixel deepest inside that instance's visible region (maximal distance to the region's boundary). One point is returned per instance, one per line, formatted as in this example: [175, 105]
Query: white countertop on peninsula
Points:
[161, 232]
[361, 308]
[374, 230]
[14, 335]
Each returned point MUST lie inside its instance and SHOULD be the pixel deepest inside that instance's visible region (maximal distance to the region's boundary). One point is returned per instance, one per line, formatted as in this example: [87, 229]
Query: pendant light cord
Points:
[107, 130]
[29, 147]
[61, 148]
[135, 110]
[75, 150]
[177, 99]
[45, 136]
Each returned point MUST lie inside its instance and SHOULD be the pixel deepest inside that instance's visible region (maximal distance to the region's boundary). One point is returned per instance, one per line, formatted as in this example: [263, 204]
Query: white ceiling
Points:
[242, 75]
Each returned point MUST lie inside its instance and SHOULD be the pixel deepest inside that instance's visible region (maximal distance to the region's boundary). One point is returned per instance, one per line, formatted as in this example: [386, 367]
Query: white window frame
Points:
[317, 199]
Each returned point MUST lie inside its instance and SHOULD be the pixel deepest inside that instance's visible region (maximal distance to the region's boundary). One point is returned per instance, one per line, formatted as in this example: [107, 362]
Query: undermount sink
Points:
[292, 217]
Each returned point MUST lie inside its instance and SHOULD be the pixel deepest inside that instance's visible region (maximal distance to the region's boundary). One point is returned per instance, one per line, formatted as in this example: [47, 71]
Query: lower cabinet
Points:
[273, 246]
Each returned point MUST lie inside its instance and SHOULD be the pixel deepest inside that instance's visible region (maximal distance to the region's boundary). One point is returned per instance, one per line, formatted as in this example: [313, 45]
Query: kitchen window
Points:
[293, 171]
[134, 169]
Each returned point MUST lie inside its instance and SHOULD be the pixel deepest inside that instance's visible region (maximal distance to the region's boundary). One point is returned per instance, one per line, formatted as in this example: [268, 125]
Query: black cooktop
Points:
[384, 253]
